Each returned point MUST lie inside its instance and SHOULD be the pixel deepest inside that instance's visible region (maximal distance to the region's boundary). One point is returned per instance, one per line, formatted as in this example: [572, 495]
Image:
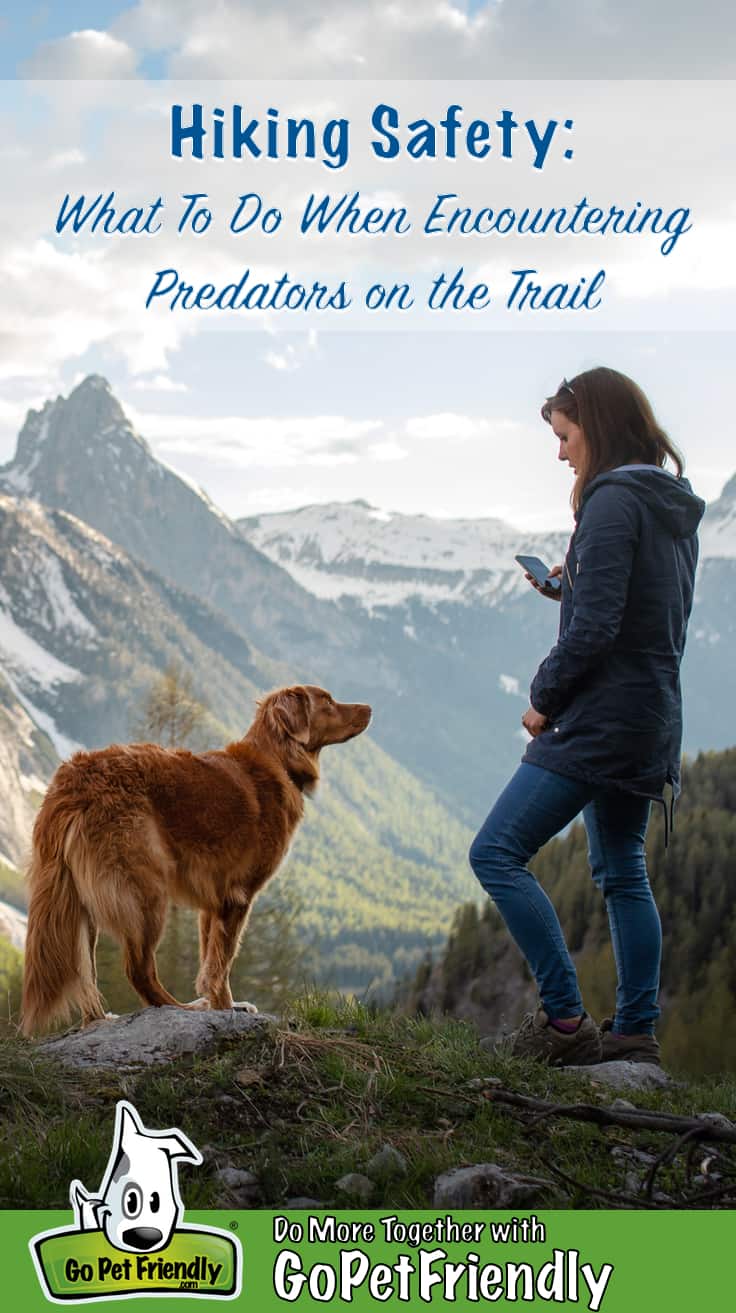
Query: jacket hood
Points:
[672, 500]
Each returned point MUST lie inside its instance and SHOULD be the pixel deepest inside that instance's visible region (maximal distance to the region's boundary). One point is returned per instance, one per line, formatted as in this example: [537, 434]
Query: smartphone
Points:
[539, 571]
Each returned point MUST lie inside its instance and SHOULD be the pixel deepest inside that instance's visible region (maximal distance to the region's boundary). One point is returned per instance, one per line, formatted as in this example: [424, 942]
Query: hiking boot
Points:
[628, 1048]
[537, 1038]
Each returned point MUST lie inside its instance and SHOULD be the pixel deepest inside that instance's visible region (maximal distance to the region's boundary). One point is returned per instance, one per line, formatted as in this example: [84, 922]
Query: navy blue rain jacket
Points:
[610, 687]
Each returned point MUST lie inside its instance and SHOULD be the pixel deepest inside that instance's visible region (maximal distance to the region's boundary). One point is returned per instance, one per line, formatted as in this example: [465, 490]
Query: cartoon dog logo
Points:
[138, 1205]
[137, 1212]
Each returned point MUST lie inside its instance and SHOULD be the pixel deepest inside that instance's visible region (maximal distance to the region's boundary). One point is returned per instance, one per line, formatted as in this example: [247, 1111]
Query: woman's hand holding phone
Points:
[554, 593]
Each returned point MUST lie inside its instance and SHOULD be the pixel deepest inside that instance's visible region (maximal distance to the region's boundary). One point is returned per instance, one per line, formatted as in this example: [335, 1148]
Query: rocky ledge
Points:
[149, 1038]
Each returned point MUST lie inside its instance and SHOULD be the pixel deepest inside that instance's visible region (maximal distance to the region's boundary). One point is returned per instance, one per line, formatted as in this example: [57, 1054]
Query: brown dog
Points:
[124, 830]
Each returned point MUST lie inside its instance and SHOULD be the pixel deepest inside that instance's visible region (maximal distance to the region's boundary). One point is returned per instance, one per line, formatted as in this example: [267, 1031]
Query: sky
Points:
[431, 413]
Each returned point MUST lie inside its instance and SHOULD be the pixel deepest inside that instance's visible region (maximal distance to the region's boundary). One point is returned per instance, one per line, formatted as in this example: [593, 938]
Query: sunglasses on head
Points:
[564, 384]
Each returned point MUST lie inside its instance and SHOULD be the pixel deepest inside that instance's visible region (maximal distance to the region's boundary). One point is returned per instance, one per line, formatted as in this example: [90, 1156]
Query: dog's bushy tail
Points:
[58, 968]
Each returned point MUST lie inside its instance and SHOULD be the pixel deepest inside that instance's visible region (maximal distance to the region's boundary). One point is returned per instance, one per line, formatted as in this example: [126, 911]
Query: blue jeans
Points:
[535, 805]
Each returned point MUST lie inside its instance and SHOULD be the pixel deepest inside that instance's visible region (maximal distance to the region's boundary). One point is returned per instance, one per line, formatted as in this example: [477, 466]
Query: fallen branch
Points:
[695, 1127]
[621, 1198]
[668, 1155]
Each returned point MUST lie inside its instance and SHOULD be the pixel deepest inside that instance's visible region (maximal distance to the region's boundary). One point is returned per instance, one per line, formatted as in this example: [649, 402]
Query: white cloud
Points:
[159, 383]
[704, 265]
[459, 427]
[57, 304]
[292, 355]
[280, 498]
[283, 361]
[268, 442]
[313, 37]
[510, 684]
[433, 38]
[87, 54]
[65, 159]
[275, 442]
[388, 450]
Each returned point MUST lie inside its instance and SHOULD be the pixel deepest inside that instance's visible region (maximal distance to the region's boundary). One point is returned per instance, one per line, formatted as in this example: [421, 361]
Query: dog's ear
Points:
[129, 1125]
[179, 1146]
[290, 711]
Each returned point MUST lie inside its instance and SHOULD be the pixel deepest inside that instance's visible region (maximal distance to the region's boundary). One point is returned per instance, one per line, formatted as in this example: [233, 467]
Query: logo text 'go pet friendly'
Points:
[129, 1238]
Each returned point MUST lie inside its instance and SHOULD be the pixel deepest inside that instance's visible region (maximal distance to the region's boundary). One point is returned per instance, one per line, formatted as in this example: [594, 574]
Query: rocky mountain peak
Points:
[93, 400]
[73, 436]
[81, 454]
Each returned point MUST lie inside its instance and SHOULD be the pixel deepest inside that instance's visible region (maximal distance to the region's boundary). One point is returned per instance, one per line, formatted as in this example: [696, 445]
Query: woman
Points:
[605, 716]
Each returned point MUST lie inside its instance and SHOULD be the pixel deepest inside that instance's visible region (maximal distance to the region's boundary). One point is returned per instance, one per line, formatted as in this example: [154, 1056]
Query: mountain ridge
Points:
[353, 549]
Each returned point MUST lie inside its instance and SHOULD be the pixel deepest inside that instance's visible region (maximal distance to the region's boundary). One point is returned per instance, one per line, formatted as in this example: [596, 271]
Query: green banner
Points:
[616, 1261]
[82, 1265]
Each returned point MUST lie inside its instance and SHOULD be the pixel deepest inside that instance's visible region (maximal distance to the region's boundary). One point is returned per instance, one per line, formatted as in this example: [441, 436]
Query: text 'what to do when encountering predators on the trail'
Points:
[275, 226]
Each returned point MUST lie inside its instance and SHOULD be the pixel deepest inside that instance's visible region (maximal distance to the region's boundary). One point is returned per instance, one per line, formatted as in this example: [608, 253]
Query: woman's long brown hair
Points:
[618, 425]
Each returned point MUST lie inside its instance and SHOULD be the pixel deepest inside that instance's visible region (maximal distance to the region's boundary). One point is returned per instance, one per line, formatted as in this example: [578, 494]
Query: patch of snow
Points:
[370, 593]
[63, 745]
[19, 480]
[66, 614]
[27, 658]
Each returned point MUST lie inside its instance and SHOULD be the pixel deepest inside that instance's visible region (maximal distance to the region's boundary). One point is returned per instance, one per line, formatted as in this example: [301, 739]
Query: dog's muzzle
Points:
[142, 1237]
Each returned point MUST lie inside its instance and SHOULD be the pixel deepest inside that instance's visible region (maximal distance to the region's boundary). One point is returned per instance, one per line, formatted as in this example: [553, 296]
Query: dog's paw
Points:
[198, 1005]
[244, 1007]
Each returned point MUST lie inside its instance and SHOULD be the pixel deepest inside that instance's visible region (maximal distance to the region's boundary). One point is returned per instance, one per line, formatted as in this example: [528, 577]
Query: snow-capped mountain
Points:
[82, 455]
[383, 558]
[453, 587]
